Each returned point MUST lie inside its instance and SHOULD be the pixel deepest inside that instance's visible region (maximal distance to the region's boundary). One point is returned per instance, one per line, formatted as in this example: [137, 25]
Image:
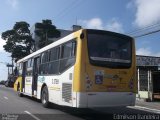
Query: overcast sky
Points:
[116, 15]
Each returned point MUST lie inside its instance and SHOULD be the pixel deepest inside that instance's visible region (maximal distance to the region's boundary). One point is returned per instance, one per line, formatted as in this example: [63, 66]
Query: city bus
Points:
[88, 68]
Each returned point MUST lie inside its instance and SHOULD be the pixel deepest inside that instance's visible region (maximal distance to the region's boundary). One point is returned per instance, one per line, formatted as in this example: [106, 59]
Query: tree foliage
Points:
[45, 31]
[18, 40]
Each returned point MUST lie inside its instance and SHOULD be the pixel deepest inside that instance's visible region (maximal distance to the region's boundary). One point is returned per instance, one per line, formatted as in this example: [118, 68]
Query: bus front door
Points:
[35, 75]
[23, 76]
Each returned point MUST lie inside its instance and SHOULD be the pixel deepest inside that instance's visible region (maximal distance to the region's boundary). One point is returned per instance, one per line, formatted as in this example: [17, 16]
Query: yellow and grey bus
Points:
[88, 68]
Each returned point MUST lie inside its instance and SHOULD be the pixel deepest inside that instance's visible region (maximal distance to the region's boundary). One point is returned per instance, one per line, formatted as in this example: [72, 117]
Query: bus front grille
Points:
[67, 92]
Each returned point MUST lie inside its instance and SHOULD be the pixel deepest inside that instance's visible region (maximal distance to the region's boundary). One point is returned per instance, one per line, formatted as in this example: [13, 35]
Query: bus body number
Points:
[55, 81]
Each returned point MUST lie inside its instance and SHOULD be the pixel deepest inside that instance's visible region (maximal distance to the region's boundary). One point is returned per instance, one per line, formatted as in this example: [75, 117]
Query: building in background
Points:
[63, 34]
[148, 75]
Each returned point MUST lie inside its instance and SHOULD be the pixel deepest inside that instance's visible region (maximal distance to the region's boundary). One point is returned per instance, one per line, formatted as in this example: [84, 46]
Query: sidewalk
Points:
[151, 105]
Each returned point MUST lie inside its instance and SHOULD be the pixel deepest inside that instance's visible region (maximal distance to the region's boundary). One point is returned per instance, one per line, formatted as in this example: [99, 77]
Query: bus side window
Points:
[67, 59]
[42, 58]
[19, 67]
[46, 56]
[74, 45]
[42, 65]
[49, 55]
[46, 70]
[54, 60]
[54, 53]
[66, 50]
[29, 67]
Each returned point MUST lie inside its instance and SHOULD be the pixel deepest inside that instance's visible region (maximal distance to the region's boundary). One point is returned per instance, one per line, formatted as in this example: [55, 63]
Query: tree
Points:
[45, 31]
[18, 40]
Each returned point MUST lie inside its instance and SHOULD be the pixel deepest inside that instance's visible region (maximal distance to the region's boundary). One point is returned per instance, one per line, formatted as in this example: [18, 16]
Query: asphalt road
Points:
[13, 107]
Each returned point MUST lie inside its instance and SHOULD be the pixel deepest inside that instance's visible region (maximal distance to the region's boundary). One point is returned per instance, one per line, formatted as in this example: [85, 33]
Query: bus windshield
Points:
[109, 50]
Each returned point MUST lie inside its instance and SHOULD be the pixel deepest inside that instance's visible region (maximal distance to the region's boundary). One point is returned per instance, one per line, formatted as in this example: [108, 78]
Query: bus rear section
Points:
[109, 70]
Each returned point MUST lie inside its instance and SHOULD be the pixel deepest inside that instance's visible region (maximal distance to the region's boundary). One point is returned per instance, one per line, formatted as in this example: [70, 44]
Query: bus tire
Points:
[45, 97]
[18, 90]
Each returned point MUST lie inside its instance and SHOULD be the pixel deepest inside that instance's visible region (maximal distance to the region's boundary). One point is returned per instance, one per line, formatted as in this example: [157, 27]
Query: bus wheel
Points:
[19, 93]
[44, 97]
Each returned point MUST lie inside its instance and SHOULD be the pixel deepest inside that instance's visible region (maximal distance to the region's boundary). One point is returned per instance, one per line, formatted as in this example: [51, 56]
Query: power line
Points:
[65, 9]
[145, 28]
[68, 8]
[151, 29]
[152, 32]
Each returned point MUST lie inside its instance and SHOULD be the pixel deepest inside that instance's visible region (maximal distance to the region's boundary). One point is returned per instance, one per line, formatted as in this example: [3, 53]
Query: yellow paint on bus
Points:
[18, 81]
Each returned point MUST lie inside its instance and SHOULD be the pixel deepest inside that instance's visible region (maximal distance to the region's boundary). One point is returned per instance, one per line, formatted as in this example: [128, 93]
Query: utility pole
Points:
[9, 65]
[12, 65]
